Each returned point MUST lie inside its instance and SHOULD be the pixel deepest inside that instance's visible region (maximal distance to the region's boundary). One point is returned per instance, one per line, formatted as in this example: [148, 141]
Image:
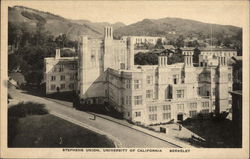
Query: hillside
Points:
[56, 24]
[162, 27]
[148, 27]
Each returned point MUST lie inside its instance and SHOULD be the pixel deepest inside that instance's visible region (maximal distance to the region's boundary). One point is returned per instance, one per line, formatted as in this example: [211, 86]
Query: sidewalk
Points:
[174, 136]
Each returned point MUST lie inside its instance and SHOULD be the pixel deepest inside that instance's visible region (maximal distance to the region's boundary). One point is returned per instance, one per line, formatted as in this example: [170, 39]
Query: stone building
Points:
[60, 73]
[149, 94]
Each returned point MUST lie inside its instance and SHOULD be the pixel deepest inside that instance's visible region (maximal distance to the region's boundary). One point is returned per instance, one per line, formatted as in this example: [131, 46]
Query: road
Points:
[126, 136]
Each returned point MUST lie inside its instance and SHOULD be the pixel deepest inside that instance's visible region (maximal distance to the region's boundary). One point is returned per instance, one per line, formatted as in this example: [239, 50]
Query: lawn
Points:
[36, 128]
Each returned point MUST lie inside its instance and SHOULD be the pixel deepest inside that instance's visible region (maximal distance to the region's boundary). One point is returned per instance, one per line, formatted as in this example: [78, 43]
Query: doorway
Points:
[180, 117]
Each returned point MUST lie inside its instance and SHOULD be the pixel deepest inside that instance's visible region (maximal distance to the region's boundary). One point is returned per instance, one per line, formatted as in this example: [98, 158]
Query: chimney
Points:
[222, 61]
[188, 57]
[58, 54]
[108, 32]
[162, 60]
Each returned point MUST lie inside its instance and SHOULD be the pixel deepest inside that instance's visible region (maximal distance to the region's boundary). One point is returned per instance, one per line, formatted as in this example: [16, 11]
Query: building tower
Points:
[222, 85]
[108, 47]
[130, 53]
[189, 75]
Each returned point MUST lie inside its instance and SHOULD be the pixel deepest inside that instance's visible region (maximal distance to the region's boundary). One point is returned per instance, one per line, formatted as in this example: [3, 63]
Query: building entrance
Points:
[180, 117]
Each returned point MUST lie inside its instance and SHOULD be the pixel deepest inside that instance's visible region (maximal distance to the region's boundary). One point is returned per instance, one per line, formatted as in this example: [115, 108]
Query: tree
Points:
[159, 44]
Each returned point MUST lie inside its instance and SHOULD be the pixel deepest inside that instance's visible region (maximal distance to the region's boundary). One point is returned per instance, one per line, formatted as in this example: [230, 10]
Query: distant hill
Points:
[185, 27]
[56, 24]
[148, 27]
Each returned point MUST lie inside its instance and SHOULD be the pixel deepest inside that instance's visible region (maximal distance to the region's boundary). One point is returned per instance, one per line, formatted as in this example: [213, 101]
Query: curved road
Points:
[127, 137]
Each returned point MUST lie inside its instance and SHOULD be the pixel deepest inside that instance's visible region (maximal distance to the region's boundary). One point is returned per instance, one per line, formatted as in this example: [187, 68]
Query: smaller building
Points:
[144, 39]
[60, 73]
[209, 56]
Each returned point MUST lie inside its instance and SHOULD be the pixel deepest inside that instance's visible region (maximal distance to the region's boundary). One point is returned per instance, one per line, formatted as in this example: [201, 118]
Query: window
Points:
[138, 100]
[128, 84]
[166, 107]
[180, 107]
[180, 93]
[214, 91]
[149, 79]
[72, 77]
[229, 77]
[53, 78]
[71, 86]
[62, 86]
[61, 68]
[149, 93]
[54, 69]
[205, 104]
[166, 116]
[73, 66]
[192, 113]
[176, 79]
[53, 87]
[152, 117]
[137, 114]
[199, 90]
[152, 108]
[137, 84]
[128, 100]
[62, 77]
[205, 111]
[193, 105]
[122, 65]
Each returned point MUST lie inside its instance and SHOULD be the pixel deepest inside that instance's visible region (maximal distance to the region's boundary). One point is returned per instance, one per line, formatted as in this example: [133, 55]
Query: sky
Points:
[219, 12]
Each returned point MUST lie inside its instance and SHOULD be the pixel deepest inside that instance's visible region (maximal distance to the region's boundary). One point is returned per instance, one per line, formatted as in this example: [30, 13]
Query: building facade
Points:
[60, 73]
[149, 94]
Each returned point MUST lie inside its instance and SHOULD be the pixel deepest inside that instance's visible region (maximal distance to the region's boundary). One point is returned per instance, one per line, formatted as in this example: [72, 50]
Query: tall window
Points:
[166, 107]
[128, 83]
[137, 84]
[61, 68]
[180, 93]
[137, 100]
[152, 117]
[193, 105]
[137, 114]
[205, 104]
[53, 78]
[166, 116]
[176, 79]
[149, 94]
[149, 79]
[128, 100]
[62, 77]
[192, 113]
[152, 108]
